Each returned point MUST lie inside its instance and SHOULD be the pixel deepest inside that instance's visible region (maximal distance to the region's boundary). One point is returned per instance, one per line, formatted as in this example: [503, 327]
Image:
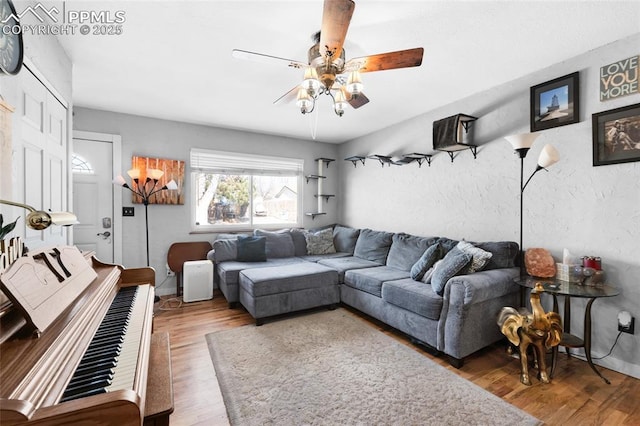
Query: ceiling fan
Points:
[327, 72]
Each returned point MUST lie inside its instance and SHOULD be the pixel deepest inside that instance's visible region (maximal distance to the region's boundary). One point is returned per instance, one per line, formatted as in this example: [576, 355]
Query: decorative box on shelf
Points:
[569, 272]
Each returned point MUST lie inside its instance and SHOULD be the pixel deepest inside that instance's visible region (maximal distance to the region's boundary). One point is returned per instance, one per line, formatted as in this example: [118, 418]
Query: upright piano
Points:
[74, 340]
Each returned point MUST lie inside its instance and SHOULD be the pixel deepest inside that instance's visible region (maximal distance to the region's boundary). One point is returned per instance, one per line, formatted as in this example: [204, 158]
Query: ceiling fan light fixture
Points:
[354, 83]
[310, 81]
[304, 101]
[339, 103]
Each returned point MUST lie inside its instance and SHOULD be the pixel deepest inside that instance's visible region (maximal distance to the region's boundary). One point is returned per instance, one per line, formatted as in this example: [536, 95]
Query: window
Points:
[80, 165]
[233, 190]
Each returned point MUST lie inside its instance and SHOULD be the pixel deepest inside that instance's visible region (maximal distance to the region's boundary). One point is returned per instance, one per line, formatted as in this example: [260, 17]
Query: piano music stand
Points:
[185, 252]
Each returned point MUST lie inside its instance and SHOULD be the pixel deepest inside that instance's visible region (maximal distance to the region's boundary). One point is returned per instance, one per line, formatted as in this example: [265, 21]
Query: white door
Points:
[93, 197]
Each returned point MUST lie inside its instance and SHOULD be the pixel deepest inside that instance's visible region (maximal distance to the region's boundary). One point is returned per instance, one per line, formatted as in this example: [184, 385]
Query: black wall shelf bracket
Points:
[354, 160]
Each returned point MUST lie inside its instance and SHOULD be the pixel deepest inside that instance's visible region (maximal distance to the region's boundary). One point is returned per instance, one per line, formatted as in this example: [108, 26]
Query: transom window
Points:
[241, 191]
[80, 165]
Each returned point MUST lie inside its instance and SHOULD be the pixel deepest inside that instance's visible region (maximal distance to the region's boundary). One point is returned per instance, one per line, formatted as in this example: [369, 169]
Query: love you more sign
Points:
[619, 79]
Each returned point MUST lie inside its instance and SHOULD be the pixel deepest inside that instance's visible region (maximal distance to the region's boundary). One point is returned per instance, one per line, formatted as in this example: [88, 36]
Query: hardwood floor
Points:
[576, 395]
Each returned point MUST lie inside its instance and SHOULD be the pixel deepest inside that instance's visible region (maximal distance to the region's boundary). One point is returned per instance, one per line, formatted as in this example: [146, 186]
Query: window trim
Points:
[230, 163]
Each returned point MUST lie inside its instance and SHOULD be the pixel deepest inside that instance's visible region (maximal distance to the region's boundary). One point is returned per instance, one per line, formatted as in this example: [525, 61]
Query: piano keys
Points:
[89, 362]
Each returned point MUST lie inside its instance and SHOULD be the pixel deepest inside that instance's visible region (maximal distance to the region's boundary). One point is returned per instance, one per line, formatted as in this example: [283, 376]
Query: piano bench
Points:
[159, 399]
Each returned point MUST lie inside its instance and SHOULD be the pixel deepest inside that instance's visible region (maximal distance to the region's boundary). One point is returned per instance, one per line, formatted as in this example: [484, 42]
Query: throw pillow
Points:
[373, 245]
[320, 242]
[224, 250]
[406, 249]
[452, 264]
[426, 261]
[480, 257]
[299, 241]
[279, 243]
[252, 249]
[344, 238]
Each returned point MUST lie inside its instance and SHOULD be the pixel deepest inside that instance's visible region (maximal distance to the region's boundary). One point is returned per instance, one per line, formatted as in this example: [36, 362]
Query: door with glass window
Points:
[93, 197]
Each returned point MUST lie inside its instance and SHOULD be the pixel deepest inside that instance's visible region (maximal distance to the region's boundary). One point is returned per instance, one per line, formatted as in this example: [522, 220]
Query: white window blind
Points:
[207, 161]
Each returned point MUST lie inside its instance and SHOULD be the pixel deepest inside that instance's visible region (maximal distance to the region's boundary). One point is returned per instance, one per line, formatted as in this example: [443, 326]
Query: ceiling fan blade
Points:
[266, 59]
[386, 61]
[354, 101]
[358, 101]
[290, 96]
[336, 17]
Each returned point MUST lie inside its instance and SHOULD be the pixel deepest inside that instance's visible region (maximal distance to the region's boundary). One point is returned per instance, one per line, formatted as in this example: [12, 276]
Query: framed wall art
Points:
[555, 103]
[172, 169]
[616, 135]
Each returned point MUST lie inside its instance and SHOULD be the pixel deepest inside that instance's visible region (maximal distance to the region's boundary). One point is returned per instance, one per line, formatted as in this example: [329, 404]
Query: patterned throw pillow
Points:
[480, 257]
[320, 242]
[452, 264]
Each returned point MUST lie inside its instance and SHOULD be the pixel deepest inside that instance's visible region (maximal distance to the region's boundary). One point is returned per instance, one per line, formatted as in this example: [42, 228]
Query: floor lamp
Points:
[548, 157]
[145, 190]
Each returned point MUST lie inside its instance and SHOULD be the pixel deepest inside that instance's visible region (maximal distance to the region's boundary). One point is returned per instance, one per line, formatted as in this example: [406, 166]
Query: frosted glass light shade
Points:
[134, 173]
[154, 174]
[354, 83]
[310, 81]
[548, 157]
[119, 181]
[304, 101]
[172, 185]
[523, 141]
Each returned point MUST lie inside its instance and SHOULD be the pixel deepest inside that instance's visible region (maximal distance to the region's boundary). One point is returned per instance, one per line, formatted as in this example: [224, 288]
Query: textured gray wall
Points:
[589, 210]
[169, 139]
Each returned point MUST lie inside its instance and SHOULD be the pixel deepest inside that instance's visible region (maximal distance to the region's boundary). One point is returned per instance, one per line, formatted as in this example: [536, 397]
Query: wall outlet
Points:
[127, 211]
[626, 323]
[170, 273]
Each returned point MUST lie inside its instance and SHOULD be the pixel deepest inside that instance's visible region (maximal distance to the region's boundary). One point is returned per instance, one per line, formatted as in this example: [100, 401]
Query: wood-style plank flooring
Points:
[576, 395]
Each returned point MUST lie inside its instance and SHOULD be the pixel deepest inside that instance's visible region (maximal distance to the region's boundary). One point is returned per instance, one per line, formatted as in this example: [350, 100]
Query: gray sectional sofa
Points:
[449, 306]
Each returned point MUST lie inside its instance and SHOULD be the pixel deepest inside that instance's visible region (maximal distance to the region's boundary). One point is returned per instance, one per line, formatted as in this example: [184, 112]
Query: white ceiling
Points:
[173, 60]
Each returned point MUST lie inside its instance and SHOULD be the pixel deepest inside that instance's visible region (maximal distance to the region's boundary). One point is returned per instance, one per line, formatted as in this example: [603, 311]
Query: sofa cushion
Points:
[228, 271]
[279, 243]
[344, 264]
[251, 249]
[224, 250]
[413, 296]
[320, 242]
[479, 260]
[504, 253]
[373, 245]
[454, 262]
[265, 281]
[318, 257]
[406, 250]
[426, 261]
[345, 238]
[370, 279]
[299, 241]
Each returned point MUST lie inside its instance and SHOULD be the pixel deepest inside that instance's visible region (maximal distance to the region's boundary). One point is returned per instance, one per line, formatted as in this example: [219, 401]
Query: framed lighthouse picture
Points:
[555, 103]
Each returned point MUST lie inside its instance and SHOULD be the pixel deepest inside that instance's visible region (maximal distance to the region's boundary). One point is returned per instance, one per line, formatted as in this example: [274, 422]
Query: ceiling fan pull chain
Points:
[313, 126]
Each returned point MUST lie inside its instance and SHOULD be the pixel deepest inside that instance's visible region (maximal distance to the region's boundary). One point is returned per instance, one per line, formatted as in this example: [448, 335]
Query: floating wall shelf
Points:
[319, 178]
[383, 159]
[419, 158]
[354, 159]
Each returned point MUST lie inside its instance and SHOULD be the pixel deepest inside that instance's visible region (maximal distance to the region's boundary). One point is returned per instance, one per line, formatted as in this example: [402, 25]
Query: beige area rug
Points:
[331, 368]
